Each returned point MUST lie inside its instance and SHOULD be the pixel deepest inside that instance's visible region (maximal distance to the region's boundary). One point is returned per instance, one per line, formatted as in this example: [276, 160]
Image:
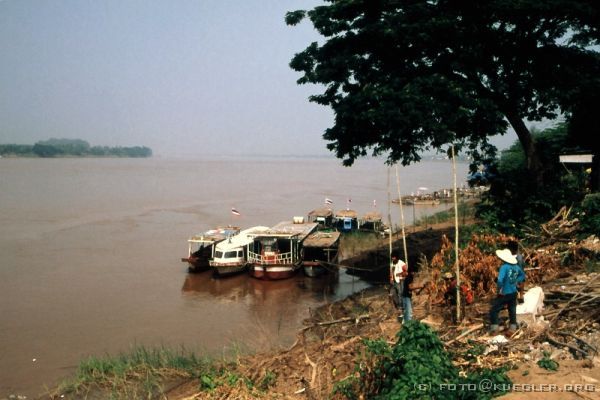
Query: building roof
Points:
[321, 212]
[346, 214]
[372, 216]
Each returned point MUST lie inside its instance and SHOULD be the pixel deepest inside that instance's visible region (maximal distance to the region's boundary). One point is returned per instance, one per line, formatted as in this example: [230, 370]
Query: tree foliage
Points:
[404, 76]
[512, 203]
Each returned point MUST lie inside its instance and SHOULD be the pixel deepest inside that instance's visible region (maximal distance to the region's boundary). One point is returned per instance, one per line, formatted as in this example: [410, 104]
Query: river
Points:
[91, 254]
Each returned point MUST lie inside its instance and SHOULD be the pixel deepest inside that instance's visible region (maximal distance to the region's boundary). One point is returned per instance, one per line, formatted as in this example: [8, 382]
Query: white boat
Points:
[275, 253]
[201, 247]
[230, 256]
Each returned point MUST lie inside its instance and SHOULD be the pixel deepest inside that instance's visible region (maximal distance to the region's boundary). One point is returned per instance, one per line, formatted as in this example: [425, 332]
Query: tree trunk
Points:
[534, 165]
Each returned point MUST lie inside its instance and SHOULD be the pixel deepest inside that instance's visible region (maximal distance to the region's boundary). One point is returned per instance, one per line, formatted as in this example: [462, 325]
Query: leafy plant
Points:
[547, 363]
[590, 210]
[416, 367]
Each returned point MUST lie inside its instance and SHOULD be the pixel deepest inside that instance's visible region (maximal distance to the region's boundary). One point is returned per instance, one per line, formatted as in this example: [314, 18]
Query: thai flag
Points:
[235, 212]
[328, 201]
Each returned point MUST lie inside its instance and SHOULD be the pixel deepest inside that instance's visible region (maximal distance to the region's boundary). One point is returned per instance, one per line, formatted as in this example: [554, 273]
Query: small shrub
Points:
[416, 367]
[590, 213]
[547, 363]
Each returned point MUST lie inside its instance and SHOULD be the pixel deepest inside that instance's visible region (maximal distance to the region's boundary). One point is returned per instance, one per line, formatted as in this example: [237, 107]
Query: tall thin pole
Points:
[389, 202]
[401, 217]
[457, 264]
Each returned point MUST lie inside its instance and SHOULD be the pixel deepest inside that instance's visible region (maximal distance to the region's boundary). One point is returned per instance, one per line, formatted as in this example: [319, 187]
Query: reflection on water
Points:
[240, 288]
[266, 314]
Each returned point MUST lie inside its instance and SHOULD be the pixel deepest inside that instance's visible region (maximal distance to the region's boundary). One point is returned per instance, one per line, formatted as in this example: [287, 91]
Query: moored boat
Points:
[319, 252]
[275, 253]
[201, 247]
[230, 256]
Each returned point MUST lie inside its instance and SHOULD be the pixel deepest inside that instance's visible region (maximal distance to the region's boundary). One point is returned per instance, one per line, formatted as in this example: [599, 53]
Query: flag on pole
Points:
[374, 203]
[235, 212]
[328, 200]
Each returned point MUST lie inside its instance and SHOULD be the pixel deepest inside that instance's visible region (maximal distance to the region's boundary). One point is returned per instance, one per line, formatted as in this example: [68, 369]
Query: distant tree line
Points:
[71, 147]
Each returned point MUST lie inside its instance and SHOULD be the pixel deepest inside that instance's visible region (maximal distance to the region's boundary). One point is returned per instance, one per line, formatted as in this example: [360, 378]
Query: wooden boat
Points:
[230, 256]
[319, 252]
[275, 254]
[201, 247]
[418, 201]
[423, 202]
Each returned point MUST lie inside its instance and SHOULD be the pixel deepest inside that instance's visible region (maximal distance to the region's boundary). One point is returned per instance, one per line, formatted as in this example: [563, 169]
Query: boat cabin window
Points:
[230, 254]
[240, 253]
[218, 254]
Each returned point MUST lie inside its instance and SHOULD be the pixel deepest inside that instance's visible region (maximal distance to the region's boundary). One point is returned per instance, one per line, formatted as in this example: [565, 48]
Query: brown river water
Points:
[90, 254]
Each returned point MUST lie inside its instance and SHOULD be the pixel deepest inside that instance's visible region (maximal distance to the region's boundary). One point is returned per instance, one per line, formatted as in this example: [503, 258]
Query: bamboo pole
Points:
[402, 218]
[457, 264]
[389, 202]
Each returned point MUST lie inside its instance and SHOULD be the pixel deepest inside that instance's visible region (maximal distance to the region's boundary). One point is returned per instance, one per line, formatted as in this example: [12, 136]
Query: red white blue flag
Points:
[235, 212]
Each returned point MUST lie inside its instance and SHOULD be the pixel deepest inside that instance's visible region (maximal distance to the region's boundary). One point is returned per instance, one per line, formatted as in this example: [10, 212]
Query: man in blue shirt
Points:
[509, 277]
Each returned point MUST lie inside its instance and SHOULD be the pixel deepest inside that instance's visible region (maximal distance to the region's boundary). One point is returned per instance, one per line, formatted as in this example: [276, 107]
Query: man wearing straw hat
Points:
[509, 276]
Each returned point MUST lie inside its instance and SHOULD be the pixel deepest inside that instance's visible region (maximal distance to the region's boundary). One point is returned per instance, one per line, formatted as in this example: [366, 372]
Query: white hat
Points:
[506, 256]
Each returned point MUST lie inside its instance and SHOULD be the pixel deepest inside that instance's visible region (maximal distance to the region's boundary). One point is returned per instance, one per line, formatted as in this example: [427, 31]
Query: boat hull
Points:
[273, 272]
[313, 269]
[229, 269]
[196, 264]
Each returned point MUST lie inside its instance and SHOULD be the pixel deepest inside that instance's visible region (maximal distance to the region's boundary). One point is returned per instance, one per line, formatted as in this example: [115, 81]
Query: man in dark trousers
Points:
[509, 276]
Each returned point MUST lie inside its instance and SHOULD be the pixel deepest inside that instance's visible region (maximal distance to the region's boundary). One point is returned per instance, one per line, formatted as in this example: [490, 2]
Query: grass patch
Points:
[137, 374]
[356, 242]
[465, 211]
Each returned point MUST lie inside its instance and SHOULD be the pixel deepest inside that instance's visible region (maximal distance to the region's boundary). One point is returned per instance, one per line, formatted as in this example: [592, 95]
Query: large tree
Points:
[403, 76]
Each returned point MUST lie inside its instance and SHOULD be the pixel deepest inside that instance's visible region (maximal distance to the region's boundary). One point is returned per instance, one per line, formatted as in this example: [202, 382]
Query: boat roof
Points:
[322, 239]
[346, 214]
[321, 212]
[288, 230]
[214, 235]
[372, 216]
[241, 239]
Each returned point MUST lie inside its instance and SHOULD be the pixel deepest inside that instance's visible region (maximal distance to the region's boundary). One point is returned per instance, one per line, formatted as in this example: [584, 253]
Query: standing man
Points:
[399, 270]
[509, 276]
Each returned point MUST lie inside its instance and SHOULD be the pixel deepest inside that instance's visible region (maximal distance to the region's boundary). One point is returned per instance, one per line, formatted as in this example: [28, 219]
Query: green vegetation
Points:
[140, 373]
[547, 363]
[465, 211]
[512, 203]
[403, 77]
[356, 242]
[71, 148]
[417, 367]
[148, 373]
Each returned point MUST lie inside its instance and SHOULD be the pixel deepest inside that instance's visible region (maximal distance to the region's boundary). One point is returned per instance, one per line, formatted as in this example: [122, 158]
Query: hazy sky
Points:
[182, 77]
